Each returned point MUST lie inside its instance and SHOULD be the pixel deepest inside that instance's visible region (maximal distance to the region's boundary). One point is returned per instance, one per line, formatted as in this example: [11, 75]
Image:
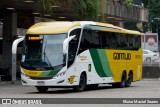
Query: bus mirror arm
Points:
[66, 42]
[14, 57]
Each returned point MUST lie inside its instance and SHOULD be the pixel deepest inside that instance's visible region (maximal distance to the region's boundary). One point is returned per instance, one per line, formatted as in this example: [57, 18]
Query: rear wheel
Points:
[122, 83]
[42, 89]
[82, 84]
[129, 80]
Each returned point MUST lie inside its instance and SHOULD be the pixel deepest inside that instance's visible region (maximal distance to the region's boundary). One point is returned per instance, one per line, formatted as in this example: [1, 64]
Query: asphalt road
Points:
[141, 89]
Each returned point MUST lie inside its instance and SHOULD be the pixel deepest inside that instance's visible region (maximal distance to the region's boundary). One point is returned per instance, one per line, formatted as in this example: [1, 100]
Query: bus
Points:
[80, 55]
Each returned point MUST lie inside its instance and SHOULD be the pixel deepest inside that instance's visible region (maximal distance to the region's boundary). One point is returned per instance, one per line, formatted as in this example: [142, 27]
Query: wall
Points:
[151, 72]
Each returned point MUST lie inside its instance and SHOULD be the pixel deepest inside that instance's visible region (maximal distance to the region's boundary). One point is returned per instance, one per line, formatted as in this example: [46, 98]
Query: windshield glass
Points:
[43, 51]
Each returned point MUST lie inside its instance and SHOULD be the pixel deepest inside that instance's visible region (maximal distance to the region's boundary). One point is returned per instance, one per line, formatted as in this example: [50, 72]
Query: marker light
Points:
[35, 38]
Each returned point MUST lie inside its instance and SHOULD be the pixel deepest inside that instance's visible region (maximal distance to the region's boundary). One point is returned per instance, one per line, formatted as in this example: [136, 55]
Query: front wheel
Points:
[42, 89]
[82, 84]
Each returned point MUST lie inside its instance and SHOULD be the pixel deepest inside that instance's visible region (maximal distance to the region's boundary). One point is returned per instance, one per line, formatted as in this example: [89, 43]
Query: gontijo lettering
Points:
[121, 56]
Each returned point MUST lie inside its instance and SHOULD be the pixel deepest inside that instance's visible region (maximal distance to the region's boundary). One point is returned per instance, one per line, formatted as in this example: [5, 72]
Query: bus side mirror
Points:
[66, 42]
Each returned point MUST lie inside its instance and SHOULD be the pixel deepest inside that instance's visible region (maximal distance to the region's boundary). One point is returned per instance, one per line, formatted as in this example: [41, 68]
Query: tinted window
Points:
[90, 39]
[108, 40]
[73, 45]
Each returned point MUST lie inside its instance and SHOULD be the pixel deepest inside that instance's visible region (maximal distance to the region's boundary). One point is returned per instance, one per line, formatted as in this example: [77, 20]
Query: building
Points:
[18, 15]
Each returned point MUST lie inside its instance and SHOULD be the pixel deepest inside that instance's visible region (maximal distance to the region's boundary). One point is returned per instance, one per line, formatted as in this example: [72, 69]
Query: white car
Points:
[150, 56]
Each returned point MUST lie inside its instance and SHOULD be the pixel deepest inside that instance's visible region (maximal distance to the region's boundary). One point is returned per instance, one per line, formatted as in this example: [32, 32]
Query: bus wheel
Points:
[42, 89]
[129, 80]
[82, 84]
[122, 83]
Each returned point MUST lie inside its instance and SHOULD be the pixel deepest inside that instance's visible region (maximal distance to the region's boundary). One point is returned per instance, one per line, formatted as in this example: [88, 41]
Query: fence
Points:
[151, 70]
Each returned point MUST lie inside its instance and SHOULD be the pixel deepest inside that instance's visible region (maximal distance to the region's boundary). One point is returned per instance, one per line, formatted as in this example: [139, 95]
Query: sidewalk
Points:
[18, 82]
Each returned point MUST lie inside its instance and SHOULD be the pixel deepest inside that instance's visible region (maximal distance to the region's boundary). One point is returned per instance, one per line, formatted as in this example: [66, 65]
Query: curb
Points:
[151, 79]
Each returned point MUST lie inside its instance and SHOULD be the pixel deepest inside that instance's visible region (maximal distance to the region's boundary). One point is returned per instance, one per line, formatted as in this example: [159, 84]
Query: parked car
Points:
[150, 56]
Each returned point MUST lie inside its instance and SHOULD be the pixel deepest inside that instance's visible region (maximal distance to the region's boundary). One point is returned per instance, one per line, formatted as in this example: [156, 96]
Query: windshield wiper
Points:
[35, 59]
[45, 56]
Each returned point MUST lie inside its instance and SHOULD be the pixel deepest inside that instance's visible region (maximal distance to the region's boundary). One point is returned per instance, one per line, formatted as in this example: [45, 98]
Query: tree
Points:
[154, 15]
[83, 9]
[44, 6]
[86, 9]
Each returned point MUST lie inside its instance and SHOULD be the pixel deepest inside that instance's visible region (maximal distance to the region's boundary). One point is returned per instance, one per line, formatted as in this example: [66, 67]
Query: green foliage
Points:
[129, 2]
[145, 2]
[44, 6]
[154, 13]
[154, 7]
[86, 9]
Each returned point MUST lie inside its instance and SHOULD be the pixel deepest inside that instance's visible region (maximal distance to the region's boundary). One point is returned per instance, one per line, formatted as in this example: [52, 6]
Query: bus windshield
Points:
[43, 51]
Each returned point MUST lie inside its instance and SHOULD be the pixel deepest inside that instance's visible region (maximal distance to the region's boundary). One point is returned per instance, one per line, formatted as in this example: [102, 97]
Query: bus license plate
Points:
[40, 83]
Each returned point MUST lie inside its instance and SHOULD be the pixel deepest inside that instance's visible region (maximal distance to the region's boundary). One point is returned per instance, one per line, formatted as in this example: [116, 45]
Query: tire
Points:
[122, 83]
[148, 59]
[129, 80]
[82, 84]
[42, 89]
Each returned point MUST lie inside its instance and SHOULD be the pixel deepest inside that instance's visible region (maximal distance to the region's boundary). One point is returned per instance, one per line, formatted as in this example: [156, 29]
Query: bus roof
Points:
[52, 27]
[64, 26]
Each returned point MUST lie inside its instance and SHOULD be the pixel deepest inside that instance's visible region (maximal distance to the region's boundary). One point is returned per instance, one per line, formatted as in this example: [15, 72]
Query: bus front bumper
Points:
[62, 81]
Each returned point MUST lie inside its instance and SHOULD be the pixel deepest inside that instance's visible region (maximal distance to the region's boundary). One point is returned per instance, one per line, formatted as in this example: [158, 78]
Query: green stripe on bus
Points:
[105, 63]
[45, 73]
[50, 73]
[97, 62]
[54, 72]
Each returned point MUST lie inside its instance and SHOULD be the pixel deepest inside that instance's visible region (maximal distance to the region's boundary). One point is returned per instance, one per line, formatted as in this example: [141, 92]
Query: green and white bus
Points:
[80, 54]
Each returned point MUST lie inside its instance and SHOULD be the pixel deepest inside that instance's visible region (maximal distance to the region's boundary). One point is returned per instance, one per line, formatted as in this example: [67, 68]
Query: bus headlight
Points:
[59, 75]
[24, 75]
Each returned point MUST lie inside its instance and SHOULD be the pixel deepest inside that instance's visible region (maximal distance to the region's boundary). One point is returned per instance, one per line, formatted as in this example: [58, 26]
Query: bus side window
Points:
[113, 43]
[105, 40]
[73, 45]
[95, 40]
[86, 40]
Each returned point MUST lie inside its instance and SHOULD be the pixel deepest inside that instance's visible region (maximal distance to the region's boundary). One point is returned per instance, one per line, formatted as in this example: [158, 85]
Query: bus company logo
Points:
[82, 58]
[121, 56]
